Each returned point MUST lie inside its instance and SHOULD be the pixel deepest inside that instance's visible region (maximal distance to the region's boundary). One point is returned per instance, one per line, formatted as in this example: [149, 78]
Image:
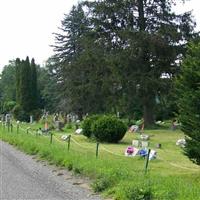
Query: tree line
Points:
[110, 57]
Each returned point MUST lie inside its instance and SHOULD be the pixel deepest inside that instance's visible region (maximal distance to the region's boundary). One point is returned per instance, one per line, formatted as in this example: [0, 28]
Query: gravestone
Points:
[144, 144]
[158, 145]
[8, 118]
[59, 125]
[31, 119]
[135, 143]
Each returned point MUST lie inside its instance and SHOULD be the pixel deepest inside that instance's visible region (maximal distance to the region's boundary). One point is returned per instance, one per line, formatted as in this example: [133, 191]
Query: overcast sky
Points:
[26, 26]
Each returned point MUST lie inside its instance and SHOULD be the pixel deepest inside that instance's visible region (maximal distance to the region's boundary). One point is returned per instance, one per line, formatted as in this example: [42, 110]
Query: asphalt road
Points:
[23, 178]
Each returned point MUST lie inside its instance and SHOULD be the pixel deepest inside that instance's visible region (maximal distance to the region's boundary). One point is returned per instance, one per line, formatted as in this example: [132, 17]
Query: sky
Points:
[26, 26]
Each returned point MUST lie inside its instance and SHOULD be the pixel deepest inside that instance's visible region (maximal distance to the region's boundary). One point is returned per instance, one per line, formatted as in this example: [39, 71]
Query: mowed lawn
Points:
[171, 176]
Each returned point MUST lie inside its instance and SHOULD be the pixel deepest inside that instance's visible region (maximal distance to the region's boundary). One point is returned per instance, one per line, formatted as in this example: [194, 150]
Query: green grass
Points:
[170, 177]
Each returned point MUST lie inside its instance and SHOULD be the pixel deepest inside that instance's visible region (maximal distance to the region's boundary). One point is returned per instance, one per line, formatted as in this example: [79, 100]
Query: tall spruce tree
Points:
[188, 90]
[33, 80]
[18, 74]
[68, 49]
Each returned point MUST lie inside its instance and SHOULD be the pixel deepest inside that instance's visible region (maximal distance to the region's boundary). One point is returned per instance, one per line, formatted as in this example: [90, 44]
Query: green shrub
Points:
[108, 129]
[101, 184]
[8, 106]
[87, 124]
[77, 170]
[69, 126]
[139, 189]
[20, 114]
[70, 166]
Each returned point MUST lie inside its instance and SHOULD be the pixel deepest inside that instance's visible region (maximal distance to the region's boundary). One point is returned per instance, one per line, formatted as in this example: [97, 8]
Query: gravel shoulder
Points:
[22, 177]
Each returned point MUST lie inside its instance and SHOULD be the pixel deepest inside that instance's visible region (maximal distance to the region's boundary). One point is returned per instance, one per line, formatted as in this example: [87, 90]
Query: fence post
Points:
[147, 161]
[17, 128]
[69, 140]
[11, 127]
[4, 126]
[8, 125]
[51, 137]
[97, 150]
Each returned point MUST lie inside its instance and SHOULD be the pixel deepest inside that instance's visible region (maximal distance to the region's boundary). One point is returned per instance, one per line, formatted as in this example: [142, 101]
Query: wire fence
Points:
[28, 130]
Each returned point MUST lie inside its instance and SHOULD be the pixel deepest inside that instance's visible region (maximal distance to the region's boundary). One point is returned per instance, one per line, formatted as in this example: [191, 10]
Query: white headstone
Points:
[144, 144]
[31, 119]
[79, 131]
[135, 143]
[7, 118]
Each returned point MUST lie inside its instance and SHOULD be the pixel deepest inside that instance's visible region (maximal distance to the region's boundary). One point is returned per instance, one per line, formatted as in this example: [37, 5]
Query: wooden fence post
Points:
[17, 128]
[147, 161]
[51, 137]
[97, 150]
[11, 127]
[69, 140]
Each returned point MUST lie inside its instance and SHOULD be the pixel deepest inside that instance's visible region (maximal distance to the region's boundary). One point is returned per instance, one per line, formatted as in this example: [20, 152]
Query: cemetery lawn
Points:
[172, 176]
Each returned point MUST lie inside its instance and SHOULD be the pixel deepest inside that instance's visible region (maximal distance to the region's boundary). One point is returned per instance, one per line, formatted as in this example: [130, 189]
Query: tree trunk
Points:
[142, 25]
[148, 111]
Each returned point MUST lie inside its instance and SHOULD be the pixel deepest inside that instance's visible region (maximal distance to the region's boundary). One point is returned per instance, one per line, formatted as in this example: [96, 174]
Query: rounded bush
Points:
[87, 124]
[108, 129]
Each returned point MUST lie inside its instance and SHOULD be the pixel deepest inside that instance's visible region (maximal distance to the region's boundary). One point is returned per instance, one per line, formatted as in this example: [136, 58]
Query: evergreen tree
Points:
[188, 87]
[68, 48]
[25, 86]
[17, 74]
[33, 90]
[146, 39]
[140, 41]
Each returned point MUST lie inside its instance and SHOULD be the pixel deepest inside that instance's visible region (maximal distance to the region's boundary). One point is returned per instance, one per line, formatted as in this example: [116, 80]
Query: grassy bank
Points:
[171, 176]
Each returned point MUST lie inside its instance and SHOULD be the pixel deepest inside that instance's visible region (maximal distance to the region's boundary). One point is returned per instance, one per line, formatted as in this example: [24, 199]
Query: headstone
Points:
[135, 143]
[8, 118]
[79, 131]
[144, 144]
[39, 131]
[64, 137]
[31, 119]
[73, 118]
[158, 145]
[152, 155]
[134, 128]
[69, 118]
[59, 125]
[181, 142]
[3, 118]
[55, 118]
[144, 137]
